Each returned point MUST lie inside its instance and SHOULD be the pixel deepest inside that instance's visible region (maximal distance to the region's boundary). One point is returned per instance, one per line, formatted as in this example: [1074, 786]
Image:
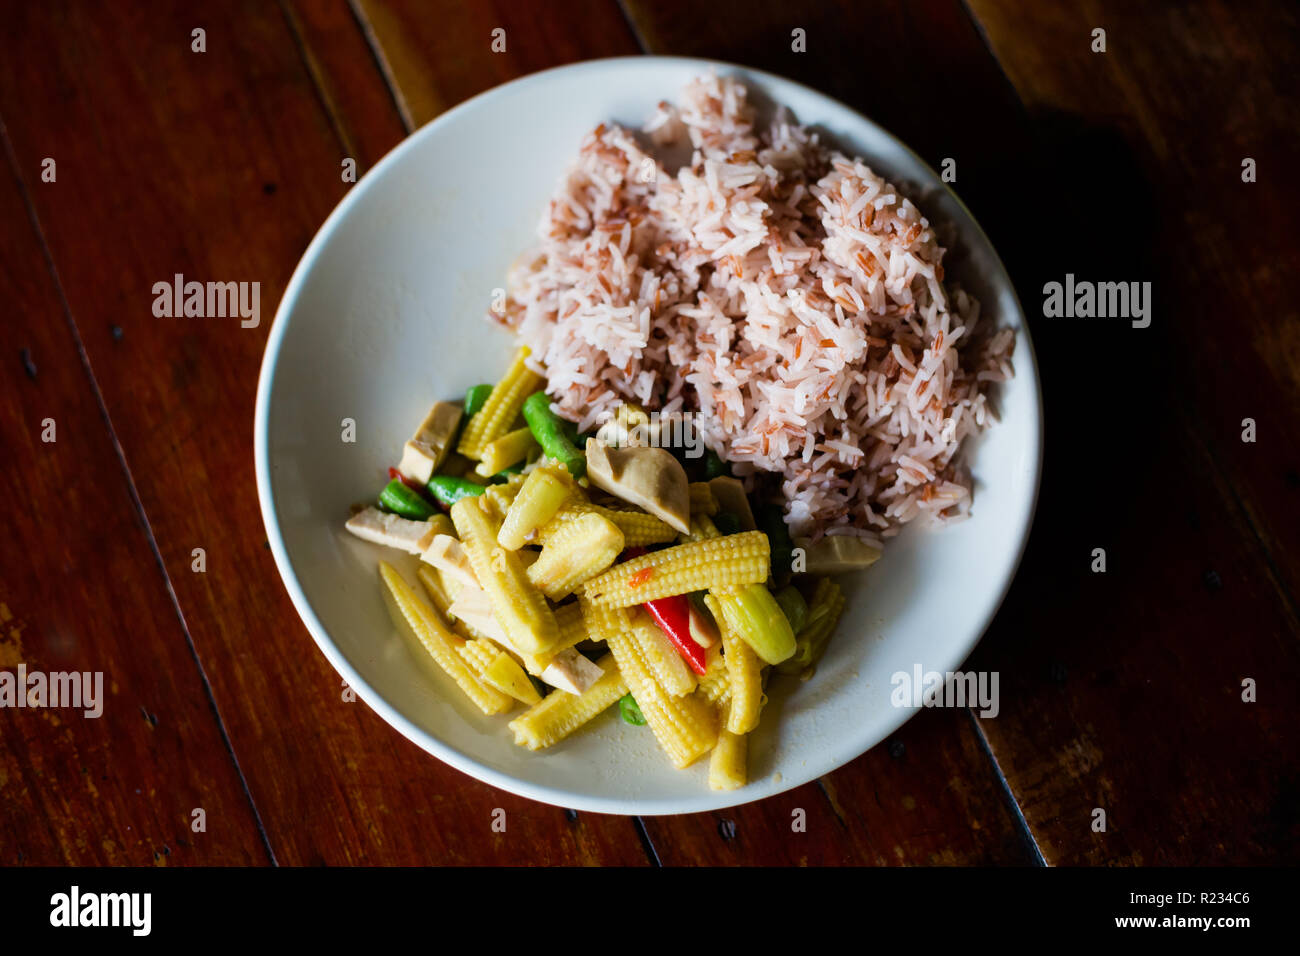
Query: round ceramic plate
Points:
[385, 314]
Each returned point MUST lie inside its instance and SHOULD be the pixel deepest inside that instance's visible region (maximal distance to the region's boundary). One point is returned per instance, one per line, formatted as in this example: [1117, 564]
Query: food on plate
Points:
[740, 370]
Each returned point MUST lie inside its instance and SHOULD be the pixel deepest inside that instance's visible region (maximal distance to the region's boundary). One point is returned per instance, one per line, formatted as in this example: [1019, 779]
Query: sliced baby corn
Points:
[639, 528]
[686, 727]
[666, 663]
[518, 606]
[727, 763]
[415, 617]
[502, 407]
[744, 675]
[504, 673]
[510, 449]
[538, 499]
[584, 548]
[732, 559]
[560, 714]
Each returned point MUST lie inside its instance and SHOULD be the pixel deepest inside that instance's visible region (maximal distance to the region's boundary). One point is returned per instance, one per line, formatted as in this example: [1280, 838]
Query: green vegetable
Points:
[793, 606]
[771, 521]
[401, 500]
[474, 399]
[714, 467]
[726, 523]
[448, 490]
[630, 712]
[553, 434]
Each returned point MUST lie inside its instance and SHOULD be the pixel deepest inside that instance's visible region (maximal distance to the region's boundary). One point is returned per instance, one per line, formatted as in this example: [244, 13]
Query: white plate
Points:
[384, 315]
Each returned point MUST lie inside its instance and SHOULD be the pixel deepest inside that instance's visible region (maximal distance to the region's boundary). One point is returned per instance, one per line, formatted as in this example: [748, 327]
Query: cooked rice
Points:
[781, 290]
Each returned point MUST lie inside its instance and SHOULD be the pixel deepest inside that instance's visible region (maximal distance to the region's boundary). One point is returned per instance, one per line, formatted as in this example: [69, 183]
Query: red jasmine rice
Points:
[784, 293]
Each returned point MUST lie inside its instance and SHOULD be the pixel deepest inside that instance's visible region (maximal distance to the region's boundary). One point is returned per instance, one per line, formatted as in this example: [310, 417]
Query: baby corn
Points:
[639, 529]
[586, 546]
[502, 407]
[412, 615]
[686, 727]
[727, 763]
[510, 449]
[560, 714]
[537, 501]
[519, 607]
[666, 663]
[732, 559]
[744, 675]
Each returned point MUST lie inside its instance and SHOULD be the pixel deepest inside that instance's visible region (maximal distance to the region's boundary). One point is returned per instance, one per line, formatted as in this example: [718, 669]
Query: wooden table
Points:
[1120, 690]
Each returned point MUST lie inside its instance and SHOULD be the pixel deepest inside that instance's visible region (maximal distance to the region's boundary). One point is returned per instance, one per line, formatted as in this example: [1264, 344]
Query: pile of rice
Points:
[782, 291]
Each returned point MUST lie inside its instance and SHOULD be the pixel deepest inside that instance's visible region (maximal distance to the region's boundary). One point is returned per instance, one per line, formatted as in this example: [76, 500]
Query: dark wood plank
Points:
[922, 71]
[224, 171]
[1222, 252]
[442, 54]
[923, 797]
[1123, 690]
[81, 591]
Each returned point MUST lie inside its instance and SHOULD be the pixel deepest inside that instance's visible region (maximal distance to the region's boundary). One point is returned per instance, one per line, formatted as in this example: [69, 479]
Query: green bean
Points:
[448, 490]
[475, 398]
[793, 606]
[552, 433]
[401, 500]
[630, 711]
[714, 467]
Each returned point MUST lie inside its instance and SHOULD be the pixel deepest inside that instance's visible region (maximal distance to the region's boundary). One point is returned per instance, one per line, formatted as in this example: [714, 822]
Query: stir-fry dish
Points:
[738, 373]
[566, 575]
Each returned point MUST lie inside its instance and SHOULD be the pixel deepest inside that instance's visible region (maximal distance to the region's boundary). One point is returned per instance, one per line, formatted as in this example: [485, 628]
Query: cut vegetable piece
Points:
[686, 727]
[448, 490]
[575, 554]
[505, 674]
[511, 448]
[650, 478]
[695, 566]
[559, 715]
[571, 672]
[727, 763]
[639, 529]
[703, 628]
[518, 606]
[390, 530]
[502, 407]
[662, 654]
[793, 606]
[744, 675]
[425, 452]
[754, 615]
[702, 500]
[401, 500]
[417, 619]
[823, 614]
[552, 433]
[538, 499]
[630, 712]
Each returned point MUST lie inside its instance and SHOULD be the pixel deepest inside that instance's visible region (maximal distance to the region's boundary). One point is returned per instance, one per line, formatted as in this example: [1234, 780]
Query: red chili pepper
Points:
[673, 615]
[409, 482]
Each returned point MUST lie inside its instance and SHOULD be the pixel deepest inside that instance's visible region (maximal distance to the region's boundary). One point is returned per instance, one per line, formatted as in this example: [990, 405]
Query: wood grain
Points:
[926, 796]
[439, 55]
[224, 172]
[81, 591]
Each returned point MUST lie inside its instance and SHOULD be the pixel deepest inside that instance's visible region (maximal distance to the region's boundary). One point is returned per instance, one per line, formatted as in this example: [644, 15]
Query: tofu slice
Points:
[425, 452]
[571, 672]
[391, 530]
[447, 554]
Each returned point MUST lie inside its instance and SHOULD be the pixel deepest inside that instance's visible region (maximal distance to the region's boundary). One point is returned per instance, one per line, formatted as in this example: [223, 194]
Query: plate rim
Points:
[707, 800]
